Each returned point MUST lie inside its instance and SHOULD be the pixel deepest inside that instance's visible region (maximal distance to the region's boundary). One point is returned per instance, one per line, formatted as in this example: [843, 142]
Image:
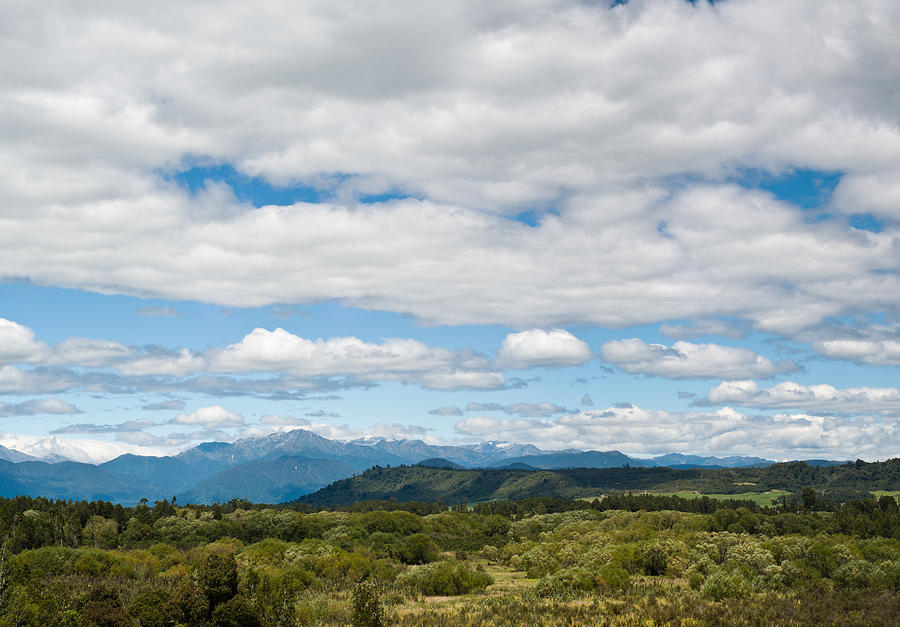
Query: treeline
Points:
[28, 523]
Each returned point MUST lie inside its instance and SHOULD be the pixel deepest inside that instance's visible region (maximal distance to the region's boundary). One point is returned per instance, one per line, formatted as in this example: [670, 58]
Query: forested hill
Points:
[418, 483]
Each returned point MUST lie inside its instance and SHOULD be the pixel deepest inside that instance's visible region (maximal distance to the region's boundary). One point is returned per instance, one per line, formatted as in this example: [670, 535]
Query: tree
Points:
[219, 579]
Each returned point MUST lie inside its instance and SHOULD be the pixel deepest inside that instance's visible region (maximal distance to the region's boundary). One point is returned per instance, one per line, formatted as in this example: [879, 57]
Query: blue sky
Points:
[630, 227]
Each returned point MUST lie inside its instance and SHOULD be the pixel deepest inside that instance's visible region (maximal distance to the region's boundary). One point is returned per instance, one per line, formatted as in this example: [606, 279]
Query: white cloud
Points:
[17, 344]
[264, 350]
[89, 352]
[462, 380]
[685, 360]
[537, 347]
[274, 423]
[876, 352]
[638, 431]
[812, 398]
[79, 450]
[214, 416]
[405, 360]
[179, 364]
[589, 110]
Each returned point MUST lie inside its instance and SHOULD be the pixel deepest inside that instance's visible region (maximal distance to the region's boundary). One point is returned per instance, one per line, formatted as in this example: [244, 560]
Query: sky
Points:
[652, 226]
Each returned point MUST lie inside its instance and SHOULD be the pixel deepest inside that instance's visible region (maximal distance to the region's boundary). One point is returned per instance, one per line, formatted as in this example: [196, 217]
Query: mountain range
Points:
[285, 466]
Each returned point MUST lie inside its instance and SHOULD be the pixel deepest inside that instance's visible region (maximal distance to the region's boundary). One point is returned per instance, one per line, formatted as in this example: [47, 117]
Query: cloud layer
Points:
[813, 398]
[724, 431]
[601, 108]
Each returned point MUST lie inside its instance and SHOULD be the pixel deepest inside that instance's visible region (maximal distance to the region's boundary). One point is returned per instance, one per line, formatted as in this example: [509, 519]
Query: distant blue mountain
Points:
[283, 466]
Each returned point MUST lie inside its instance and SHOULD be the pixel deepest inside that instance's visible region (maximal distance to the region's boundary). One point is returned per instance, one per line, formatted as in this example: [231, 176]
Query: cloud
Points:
[461, 380]
[163, 405]
[89, 352]
[473, 406]
[449, 410]
[159, 312]
[587, 401]
[539, 348]
[531, 410]
[639, 431]
[127, 426]
[404, 360]
[321, 413]
[17, 344]
[79, 450]
[37, 407]
[93, 150]
[876, 352]
[812, 398]
[685, 360]
[214, 416]
[389, 431]
[175, 364]
[700, 328]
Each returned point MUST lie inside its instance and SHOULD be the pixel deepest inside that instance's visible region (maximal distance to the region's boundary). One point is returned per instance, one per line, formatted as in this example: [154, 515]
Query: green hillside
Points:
[417, 483]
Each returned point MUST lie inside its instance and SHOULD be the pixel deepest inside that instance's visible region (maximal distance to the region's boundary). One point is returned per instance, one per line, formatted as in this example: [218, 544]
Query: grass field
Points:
[879, 493]
[763, 499]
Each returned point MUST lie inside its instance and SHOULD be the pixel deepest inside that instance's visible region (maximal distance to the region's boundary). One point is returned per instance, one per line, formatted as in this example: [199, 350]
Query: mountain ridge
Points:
[213, 470]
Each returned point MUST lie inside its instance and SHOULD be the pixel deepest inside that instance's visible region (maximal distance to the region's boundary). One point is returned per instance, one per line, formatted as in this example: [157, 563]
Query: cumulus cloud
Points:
[17, 344]
[111, 108]
[876, 352]
[214, 416]
[36, 407]
[684, 360]
[638, 431]
[404, 360]
[537, 347]
[812, 398]
[587, 401]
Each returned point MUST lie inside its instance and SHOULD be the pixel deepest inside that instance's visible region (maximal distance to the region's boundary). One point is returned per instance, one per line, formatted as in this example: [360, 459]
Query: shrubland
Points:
[625, 559]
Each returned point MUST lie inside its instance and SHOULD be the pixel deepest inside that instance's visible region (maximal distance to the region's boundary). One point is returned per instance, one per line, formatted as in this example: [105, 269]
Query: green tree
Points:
[219, 579]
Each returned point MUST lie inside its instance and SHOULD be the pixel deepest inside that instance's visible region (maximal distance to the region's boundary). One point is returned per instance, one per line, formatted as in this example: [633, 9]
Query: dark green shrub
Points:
[235, 612]
[417, 549]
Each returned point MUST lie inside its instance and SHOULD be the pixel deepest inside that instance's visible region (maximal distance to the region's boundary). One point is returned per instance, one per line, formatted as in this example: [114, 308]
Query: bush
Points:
[443, 578]
[417, 549]
[723, 584]
[367, 610]
[235, 612]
